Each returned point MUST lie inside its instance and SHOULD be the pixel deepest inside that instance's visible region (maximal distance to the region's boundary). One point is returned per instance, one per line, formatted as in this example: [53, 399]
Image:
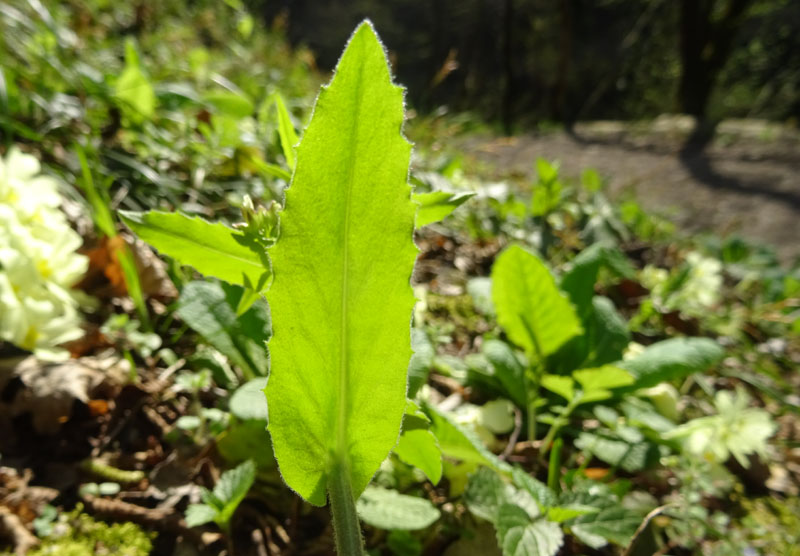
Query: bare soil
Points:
[747, 181]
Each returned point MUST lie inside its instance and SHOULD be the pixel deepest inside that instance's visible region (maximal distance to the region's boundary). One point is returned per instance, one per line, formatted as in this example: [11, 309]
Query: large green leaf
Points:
[213, 249]
[534, 313]
[341, 300]
[388, 509]
[672, 359]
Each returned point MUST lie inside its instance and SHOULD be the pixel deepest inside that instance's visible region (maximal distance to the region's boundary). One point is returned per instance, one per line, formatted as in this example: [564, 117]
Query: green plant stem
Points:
[346, 527]
[559, 422]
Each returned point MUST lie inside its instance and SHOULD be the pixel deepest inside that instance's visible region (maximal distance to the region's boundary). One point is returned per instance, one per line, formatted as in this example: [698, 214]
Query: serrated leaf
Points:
[211, 248]
[248, 401]
[533, 312]
[341, 299]
[541, 493]
[437, 205]
[232, 488]
[672, 359]
[388, 509]
[210, 309]
[417, 445]
[615, 524]
[199, 514]
[535, 538]
[485, 493]
[630, 456]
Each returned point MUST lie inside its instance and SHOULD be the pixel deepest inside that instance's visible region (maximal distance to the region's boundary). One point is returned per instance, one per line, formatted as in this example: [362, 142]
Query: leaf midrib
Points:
[342, 410]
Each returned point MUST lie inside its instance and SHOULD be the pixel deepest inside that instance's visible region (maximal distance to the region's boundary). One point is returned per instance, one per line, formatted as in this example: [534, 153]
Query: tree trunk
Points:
[705, 46]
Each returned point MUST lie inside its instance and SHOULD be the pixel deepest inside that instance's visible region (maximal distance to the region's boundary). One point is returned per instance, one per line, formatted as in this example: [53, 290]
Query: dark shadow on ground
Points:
[697, 162]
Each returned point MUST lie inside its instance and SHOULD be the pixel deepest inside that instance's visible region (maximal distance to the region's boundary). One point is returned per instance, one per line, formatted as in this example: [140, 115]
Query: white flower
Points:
[38, 262]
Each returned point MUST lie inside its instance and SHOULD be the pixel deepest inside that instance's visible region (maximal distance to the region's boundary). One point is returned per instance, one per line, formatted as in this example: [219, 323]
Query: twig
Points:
[645, 522]
[512, 440]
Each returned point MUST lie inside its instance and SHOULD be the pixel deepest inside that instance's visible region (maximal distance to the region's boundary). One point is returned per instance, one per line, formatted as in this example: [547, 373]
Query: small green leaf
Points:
[420, 365]
[199, 514]
[420, 449]
[564, 386]
[614, 450]
[578, 282]
[133, 89]
[341, 301]
[388, 509]
[230, 104]
[520, 537]
[481, 291]
[248, 402]
[602, 378]
[232, 488]
[615, 524]
[437, 205]
[672, 359]
[213, 249]
[533, 312]
[210, 309]
[459, 443]
[540, 492]
[286, 132]
[547, 191]
[485, 493]
[247, 440]
[508, 369]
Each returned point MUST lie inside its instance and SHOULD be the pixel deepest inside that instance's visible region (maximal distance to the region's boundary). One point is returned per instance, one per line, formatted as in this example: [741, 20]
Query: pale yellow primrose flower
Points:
[38, 262]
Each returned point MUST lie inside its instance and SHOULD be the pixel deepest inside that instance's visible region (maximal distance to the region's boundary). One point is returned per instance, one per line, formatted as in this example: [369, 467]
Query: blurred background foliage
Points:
[529, 61]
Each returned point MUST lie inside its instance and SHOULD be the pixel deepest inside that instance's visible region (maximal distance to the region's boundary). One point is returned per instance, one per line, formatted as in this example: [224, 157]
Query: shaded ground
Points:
[748, 181]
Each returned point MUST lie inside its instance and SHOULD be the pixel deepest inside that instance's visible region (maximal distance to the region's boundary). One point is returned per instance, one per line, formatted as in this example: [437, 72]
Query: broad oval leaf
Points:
[388, 509]
[212, 248]
[672, 359]
[341, 299]
[533, 312]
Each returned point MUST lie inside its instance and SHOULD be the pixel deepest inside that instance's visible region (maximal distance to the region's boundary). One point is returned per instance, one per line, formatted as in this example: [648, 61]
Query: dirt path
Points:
[744, 183]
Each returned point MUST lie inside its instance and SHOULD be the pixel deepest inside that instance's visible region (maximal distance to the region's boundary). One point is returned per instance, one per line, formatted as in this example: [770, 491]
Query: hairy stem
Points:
[346, 527]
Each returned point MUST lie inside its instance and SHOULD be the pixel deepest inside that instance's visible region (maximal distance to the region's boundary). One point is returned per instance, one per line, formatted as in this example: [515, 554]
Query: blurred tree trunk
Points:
[508, 66]
[706, 42]
[559, 99]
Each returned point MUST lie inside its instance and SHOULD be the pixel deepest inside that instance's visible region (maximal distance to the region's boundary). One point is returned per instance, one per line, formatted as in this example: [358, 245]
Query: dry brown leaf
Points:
[48, 390]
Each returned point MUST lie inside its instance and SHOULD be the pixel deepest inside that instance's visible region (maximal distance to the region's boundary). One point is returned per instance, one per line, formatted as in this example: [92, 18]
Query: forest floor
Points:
[747, 181]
